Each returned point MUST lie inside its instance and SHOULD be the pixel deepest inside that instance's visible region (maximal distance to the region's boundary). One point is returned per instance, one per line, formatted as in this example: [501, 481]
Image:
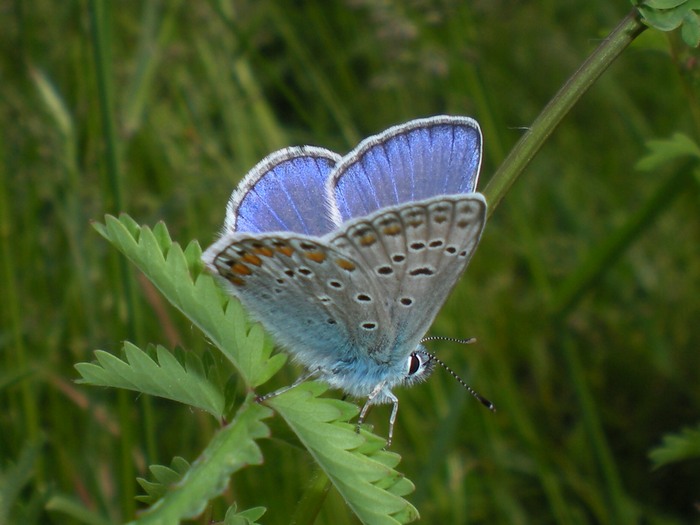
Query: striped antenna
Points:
[461, 381]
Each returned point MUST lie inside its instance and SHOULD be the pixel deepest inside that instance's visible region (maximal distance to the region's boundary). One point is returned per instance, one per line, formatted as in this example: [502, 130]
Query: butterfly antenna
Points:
[461, 381]
[450, 339]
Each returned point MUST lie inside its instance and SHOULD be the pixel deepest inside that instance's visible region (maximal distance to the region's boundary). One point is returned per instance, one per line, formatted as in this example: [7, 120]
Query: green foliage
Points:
[356, 463]
[165, 477]
[171, 269]
[667, 15]
[665, 151]
[683, 446]
[231, 449]
[13, 479]
[244, 517]
[164, 376]
[360, 470]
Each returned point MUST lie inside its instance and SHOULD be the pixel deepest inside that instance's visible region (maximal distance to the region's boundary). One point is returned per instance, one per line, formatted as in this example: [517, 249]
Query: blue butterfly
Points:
[346, 261]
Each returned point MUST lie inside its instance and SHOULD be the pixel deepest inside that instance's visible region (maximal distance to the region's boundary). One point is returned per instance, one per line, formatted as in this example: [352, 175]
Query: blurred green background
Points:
[198, 92]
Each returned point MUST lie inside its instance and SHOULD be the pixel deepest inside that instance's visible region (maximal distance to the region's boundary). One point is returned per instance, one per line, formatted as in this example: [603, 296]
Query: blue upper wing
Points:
[414, 161]
[284, 192]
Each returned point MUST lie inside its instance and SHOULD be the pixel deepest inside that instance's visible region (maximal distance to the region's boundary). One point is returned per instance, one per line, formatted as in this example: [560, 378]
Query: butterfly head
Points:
[419, 365]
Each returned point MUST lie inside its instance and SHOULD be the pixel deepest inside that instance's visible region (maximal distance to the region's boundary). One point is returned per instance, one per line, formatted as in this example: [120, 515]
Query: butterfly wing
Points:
[414, 161]
[416, 253]
[315, 300]
[283, 192]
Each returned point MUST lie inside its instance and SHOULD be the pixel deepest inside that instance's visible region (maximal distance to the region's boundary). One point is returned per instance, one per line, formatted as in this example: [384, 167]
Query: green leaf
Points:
[690, 30]
[663, 20]
[15, 477]
[245, 517]
[667, 15]
[179, 277]
[231, 449]
[359, 468]
[677, 447]
[663, 151]
[164, 478]
[664, 4]
[164, 376]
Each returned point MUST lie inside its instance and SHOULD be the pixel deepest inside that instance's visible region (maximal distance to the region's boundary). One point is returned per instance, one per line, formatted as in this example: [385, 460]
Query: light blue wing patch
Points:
[321, 305]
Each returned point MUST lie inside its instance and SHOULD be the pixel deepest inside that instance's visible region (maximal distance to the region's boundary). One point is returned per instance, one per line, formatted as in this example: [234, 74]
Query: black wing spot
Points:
[385, 270]
[363, 298]
[419, 272]
[369, 326]
[406, 301]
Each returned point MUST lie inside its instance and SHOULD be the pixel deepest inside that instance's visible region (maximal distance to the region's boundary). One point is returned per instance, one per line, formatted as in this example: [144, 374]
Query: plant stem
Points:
[530, 143]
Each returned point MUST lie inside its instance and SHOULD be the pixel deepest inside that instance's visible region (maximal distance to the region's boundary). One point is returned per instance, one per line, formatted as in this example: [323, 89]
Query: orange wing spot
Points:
[439, 219]
[252, 259]
[415, 223]
[368, 240]
[393, 229]
[262, 250]
[235, 280]
[286, 250]
[346, 265]
[240, 269]
[318, 257]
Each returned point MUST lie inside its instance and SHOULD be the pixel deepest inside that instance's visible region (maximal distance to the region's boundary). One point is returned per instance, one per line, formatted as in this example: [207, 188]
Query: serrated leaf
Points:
[220, 317]
[231, 449]
[663, 151]
[245, 517]
[677, 447]
[165, 377]
[355, 463]
[164, 478]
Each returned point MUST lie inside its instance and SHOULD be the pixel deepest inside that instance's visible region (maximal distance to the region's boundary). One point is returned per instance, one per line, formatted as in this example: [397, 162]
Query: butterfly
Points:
[347, 261]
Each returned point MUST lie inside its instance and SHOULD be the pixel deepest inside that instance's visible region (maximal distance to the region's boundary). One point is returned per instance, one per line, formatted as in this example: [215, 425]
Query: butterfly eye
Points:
[414, 363]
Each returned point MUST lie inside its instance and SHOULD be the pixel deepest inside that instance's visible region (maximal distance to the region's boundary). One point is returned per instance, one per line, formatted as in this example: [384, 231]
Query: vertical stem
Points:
[101, 39]
[530, 143]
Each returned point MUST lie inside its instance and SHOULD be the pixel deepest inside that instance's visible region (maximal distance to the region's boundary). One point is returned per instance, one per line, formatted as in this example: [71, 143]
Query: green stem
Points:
[100, 11]
[528, 146]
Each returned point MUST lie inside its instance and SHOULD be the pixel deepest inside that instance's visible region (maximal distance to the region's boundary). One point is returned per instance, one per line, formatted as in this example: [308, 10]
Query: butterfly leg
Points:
[392, 417]
[309, 374]
[380, 388]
